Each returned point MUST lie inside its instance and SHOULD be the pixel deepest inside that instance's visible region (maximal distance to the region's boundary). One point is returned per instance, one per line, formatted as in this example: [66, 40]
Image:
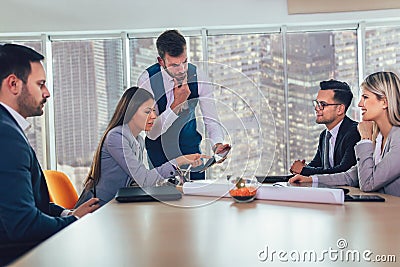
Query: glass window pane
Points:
[143, 53]
[312, 58]
[382, 50]
[248, 79]
[88, 82]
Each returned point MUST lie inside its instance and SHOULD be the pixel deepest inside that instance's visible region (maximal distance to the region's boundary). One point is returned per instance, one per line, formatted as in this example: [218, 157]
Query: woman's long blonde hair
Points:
[127, 106]
[385, 84]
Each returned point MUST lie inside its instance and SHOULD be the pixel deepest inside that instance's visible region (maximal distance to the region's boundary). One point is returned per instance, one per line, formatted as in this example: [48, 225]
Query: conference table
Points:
[207, 231]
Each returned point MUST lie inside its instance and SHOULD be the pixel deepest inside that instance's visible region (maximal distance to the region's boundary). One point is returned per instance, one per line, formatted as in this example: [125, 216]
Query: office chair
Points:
[61, 190]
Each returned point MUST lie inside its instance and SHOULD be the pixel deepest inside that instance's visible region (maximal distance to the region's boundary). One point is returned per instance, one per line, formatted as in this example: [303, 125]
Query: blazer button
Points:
[171, 173]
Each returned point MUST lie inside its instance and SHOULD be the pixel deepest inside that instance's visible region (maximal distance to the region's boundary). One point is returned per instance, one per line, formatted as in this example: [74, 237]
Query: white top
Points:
[206, 102]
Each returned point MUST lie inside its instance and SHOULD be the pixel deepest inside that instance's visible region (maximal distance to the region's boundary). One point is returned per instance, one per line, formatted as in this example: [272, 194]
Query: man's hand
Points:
[300, 179]
[181, 94]
[220, 148]
[87, 207]
[297, 166]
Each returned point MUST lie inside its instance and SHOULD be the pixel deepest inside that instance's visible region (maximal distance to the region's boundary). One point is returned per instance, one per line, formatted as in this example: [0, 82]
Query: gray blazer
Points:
[122, 165]
[383, 177]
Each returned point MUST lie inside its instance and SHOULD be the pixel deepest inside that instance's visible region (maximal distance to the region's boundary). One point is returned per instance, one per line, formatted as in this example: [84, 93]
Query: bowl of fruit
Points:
[243, 189]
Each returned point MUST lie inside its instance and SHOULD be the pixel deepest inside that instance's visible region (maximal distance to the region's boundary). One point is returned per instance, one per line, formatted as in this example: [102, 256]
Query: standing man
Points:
[178, 87]
[336, 144]
[26, 215]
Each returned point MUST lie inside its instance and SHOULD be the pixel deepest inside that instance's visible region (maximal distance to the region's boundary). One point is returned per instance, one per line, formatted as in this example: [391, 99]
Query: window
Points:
[314, 57]
[382, 53]
[88, 82]
[268, 127]
[248, 86]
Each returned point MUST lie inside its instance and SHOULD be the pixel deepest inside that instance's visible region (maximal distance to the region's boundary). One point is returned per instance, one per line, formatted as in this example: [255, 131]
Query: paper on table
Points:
[268, 192]
[301, 194]
[210, 188]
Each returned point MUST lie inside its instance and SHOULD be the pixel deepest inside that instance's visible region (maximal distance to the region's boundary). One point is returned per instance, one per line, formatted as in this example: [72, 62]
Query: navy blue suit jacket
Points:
[26, 214]
[343, 155]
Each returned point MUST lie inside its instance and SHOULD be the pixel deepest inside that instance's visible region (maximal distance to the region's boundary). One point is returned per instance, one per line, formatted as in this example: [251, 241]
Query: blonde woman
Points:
[118, 161]
[378, 152]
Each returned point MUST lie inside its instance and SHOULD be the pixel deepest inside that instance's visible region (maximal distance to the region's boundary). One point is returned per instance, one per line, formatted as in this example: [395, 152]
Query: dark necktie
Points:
[328, 136]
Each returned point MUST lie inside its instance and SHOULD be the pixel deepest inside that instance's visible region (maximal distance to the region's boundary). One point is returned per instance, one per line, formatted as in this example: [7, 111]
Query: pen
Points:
[188, 170]
[180, 174]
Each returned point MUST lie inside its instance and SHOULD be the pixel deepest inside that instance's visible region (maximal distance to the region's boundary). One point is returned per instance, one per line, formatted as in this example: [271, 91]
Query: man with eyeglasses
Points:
[178, 87]
[336, 143]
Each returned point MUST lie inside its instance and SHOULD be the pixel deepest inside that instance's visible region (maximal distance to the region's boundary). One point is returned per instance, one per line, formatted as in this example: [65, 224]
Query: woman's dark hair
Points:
[127, 106]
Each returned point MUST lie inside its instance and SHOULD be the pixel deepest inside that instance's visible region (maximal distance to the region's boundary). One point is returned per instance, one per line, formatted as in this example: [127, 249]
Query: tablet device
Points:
[266, 179]
[214, 159]
[363, 198]
[138, 194]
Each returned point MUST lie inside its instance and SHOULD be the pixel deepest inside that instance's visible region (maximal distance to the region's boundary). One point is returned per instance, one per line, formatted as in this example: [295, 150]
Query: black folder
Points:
[139, 194]
[266, 179]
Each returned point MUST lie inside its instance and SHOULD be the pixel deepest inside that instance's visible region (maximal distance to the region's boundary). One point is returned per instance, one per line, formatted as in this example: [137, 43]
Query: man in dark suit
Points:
[336, 144]
[26, 215]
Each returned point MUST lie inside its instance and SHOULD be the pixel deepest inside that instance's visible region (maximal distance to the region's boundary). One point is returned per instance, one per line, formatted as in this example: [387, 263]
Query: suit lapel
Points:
[341, 133]
[13, 122]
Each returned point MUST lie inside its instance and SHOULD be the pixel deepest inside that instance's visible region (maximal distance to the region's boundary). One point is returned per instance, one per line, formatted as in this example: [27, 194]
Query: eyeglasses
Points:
[322, 105]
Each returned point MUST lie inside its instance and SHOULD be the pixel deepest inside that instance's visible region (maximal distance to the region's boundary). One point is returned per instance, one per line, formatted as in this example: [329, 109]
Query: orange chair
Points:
[61, 190]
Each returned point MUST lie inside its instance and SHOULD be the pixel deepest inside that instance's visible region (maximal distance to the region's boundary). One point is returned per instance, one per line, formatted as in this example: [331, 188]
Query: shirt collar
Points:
[22, 122]
[335, 130]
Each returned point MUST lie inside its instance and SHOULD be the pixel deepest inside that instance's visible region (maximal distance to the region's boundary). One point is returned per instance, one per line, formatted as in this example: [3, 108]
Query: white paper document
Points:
[218, 188]
[212, 188]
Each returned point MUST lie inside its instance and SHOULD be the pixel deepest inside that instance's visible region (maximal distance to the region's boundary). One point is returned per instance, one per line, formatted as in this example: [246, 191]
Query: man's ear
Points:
[341, 109]
[12, 82]
[161, 62]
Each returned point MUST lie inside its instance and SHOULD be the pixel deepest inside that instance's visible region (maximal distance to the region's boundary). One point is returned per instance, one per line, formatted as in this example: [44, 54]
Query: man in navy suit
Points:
[26, 215]
[336, 143]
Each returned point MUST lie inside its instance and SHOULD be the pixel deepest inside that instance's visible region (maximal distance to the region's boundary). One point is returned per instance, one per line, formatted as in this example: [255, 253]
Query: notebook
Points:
[265, 179]
[138, 194]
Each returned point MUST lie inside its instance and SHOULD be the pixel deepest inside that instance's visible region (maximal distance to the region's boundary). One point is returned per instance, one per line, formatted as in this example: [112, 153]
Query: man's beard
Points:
[27, 105]
[178, 78]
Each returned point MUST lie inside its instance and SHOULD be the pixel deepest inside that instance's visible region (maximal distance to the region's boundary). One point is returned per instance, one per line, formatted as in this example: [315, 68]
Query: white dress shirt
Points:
[206, 102]
[334, 132]
[22, 122]
[332, 141]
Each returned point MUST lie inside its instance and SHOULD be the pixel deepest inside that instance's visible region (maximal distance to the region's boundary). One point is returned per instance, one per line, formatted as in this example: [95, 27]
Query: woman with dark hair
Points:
[378, 152]
[118, 161]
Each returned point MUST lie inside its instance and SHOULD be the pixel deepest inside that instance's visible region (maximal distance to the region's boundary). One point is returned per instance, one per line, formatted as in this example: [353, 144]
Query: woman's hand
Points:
[300, 179]
[191, 159]
[365, 129]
